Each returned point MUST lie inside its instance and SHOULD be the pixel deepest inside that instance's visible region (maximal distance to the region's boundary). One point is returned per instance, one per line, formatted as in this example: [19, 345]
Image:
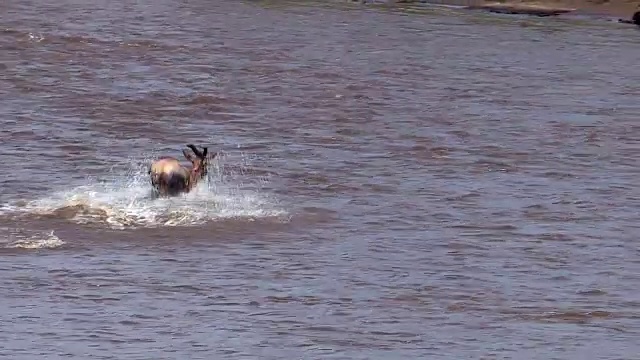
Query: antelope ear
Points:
[188, 156]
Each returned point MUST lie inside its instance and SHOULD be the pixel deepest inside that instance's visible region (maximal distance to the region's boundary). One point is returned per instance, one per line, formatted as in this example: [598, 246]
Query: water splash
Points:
[36, 37]
[28, 239]
[123, 201]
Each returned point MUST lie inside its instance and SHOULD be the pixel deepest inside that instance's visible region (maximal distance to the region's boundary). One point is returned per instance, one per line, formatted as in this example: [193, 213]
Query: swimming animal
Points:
[170, 178]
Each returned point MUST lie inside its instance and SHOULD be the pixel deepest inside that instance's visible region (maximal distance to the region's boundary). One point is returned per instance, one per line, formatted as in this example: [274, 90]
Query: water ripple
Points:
[392, 181]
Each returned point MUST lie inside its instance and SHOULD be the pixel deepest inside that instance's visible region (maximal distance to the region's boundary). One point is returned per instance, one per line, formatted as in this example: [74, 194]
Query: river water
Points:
[391, 183]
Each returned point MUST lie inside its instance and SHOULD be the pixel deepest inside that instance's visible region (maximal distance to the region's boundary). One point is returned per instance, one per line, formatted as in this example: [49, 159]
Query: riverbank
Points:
[619, 8]
[623, 9]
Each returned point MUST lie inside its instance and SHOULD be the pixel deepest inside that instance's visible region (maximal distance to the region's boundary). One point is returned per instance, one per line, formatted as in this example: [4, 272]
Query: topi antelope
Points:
[169, 177]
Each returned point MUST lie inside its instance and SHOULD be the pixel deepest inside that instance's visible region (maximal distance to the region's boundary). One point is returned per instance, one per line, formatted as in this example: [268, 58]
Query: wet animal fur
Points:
[170, 178]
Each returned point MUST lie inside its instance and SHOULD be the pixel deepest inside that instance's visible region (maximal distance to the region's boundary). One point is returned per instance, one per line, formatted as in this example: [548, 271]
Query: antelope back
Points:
[168, 166]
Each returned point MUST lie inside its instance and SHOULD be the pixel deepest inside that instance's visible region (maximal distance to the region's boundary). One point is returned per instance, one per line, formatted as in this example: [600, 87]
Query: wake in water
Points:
[28, 239]
[126, 201]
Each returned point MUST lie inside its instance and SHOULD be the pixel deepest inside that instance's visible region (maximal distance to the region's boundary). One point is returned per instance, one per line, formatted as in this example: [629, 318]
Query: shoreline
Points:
[624, 9]
[621, 9]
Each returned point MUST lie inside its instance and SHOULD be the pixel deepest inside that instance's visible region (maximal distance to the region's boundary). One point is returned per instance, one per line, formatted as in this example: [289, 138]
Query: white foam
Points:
[36, 37]
[29, 239]
[124, 201]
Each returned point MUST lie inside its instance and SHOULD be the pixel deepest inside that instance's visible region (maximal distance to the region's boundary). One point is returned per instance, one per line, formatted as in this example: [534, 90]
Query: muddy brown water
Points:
[391, 183]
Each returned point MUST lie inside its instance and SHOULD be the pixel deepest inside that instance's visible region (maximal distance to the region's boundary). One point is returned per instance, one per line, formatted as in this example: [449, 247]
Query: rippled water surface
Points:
[391, 183]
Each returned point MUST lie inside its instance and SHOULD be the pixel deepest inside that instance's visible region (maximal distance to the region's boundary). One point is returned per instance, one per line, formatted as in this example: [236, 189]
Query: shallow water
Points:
[391, 183]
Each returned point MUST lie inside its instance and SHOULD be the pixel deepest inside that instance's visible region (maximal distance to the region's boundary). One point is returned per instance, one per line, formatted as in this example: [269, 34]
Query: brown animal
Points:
[170, 178]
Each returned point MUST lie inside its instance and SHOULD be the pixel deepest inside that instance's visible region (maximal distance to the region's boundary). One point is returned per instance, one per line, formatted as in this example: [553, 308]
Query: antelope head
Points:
[199, 164]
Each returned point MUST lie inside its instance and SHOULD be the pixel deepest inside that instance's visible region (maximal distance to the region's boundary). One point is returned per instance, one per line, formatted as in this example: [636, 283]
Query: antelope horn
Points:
[204, 152]
[195, 150]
